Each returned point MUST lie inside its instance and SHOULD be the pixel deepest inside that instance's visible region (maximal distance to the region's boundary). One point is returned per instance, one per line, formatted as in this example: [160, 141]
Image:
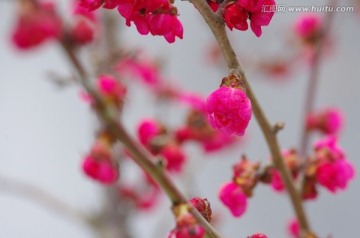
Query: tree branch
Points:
[314, 78]
[43, 198]
[140, 155]
[217, 26]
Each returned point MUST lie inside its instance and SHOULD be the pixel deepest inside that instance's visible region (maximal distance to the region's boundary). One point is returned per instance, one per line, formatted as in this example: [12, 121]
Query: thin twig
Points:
[217, 26]
[314, 79]
[42, 197]
[222, 7]
[312, 90]
[116, 211]
[278, 127]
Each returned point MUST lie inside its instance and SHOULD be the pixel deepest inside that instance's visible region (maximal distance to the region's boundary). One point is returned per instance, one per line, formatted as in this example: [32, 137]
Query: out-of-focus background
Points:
[44, 131]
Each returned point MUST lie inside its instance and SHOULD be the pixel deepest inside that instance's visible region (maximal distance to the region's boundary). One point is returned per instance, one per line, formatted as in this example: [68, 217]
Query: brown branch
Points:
[312, 90]
[222, 7]
[314, 78]
[42, 197]
[217, 26]
[113, 219]
[111, 30]
[278, 127]
[144, 159]
[140, 155]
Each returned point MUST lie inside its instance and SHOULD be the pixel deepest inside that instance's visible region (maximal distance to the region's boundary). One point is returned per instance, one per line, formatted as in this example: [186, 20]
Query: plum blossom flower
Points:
[83, 32]
[258, 17]
[203, 206]
[237, 13]
[158, 17]
[292, 160]
[233, 198]
[333, 170]
[229, 110]
[84, 26]
[293, 228]
[334, 175]
[197, 127]
[154, 136]
[308, 26]
[174, 157]
[147, 130]
[236, 17]
[276, 181]
[186, 224]
[327, 148]
[36, 25]
[111, 89]
[245, 175]
[166, 25]
[99, 164]
[101, 170]
[194, 231]
[328, 121]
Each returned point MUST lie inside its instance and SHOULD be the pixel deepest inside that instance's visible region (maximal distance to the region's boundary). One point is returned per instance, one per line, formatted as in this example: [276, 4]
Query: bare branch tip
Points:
[278, 127]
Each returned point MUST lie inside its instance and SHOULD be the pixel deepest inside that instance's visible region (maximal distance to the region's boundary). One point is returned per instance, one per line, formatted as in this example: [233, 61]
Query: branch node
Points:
[278, 127]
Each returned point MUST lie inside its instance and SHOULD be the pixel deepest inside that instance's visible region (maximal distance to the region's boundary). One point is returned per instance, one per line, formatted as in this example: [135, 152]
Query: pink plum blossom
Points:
[237, 13]
[334, 175]
[101, 170]
[328, 121]
[233, 198]
[174, 157]
[307, 26]
[333, 170]
[229, 110]
[294, 228]
[147, 130]
[36, 25]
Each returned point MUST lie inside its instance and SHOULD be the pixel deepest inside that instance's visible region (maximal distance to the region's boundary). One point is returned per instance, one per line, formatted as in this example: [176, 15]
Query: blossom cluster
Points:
[210, 123]
[100, 164]
[38, 23]
[234, 194]
[154, 137]
[328, 121]
[327, 168]
[158, 17]
[237, 13]
[333, 170]
[168, 143]
[308, 28]
[186, 224]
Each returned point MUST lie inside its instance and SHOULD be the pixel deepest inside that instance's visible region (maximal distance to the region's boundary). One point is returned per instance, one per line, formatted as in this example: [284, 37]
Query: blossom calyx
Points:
[203, 206]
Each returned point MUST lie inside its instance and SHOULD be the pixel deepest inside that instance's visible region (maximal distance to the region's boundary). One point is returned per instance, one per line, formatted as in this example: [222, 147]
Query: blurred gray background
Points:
[44, 131]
